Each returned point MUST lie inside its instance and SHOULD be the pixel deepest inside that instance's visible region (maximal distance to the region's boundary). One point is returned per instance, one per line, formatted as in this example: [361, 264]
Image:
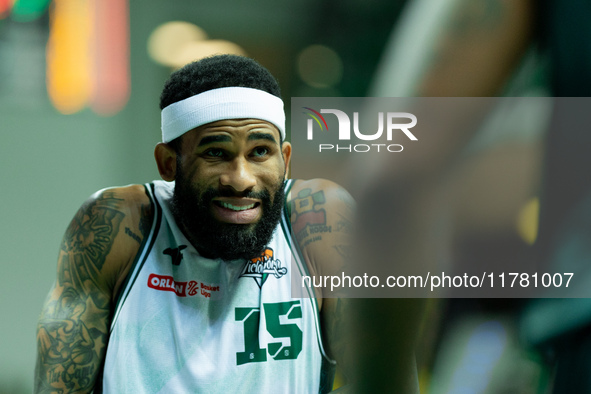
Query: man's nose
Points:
[238, 175]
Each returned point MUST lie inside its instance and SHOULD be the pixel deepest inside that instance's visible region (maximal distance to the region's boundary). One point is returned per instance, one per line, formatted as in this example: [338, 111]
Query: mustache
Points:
[212, 193]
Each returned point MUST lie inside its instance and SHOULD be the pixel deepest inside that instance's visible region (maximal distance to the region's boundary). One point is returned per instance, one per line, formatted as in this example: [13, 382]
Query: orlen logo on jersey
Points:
[167, 283]
[393, 124]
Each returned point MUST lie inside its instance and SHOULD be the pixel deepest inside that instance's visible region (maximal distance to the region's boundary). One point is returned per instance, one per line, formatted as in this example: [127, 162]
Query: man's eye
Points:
[260, 151]
[214, 153]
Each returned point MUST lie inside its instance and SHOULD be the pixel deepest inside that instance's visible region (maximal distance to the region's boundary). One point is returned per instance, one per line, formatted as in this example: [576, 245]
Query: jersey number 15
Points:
[250, 317]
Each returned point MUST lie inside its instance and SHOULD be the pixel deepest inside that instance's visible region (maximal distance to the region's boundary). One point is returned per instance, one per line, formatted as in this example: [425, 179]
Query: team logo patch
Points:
[260, 267]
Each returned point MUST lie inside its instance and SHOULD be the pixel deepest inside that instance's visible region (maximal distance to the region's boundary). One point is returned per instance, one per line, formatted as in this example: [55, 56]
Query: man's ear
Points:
[166, 160]
[286, 151]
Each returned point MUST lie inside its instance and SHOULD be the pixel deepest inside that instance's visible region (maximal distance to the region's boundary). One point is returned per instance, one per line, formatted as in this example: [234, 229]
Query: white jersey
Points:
[187, 324]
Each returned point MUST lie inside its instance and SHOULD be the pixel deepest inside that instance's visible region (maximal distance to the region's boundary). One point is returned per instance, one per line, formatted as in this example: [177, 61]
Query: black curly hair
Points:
[215, 72]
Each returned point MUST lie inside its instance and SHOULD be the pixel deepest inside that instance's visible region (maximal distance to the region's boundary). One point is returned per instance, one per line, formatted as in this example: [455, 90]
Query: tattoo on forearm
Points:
[68, 349]
[73, 328]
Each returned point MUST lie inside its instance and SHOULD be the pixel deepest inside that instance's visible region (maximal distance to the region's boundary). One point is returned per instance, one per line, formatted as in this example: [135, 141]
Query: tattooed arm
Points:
[322, 215]
[322, 220]
[95, 256]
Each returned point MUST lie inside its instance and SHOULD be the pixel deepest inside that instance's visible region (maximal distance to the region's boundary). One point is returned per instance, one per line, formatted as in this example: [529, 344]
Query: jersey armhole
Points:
[142, 254]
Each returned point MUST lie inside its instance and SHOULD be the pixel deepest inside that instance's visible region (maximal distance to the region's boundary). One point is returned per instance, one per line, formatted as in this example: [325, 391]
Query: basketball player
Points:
[184, 285]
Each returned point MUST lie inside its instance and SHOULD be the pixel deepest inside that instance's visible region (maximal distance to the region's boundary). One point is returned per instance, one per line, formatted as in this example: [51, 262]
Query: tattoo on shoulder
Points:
[308, 217]
[344, 225]
[133, 235]
[89, 238]
[144, 225]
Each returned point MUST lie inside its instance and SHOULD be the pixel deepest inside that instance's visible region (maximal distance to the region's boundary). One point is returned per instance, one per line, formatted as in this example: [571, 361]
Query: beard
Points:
[192, 209]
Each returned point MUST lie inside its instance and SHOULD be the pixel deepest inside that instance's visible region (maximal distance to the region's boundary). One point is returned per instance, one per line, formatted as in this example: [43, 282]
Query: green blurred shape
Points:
[28, 10]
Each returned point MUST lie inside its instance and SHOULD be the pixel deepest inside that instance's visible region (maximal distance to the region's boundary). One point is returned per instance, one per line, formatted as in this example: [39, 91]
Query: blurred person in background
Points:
[472, 48]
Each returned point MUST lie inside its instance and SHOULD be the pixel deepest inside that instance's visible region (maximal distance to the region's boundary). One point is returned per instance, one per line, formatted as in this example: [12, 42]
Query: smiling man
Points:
[184, 285]
[229, 202]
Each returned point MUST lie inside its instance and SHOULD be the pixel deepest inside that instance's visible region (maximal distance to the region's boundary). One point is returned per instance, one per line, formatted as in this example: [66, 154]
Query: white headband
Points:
[221, 104]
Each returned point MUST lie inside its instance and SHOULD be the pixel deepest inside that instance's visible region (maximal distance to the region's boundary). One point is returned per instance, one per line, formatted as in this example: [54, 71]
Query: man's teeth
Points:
[235, 208]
